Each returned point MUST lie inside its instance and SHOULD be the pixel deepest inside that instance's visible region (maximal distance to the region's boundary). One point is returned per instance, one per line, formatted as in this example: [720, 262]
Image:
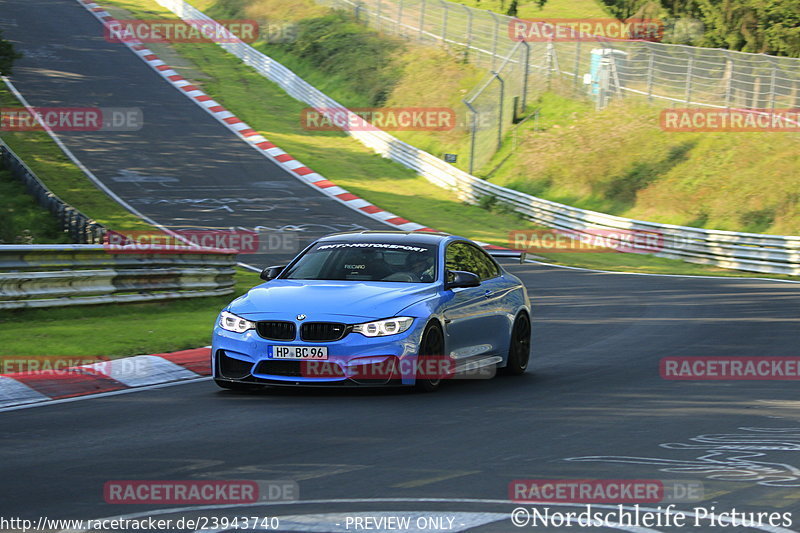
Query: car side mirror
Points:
[459, 278]
[272, 272]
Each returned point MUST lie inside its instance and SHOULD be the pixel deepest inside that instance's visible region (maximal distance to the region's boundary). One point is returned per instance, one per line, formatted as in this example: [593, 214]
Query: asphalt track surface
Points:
[593, 405]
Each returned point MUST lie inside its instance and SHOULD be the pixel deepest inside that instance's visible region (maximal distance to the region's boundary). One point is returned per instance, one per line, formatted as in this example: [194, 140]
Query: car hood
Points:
[314, 298]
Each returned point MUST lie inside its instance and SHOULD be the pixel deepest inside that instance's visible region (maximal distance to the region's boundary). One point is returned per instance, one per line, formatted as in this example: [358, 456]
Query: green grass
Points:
[22, 220]
[62, 177]
[115, 330]
[619, 161]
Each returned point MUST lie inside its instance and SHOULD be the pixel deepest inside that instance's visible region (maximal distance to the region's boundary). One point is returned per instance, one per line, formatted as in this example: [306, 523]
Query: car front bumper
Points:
[355, 360]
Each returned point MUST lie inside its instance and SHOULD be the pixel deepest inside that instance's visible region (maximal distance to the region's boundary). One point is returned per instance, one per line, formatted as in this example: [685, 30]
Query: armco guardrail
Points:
[73, 274]
[78, 226]
[753, 252]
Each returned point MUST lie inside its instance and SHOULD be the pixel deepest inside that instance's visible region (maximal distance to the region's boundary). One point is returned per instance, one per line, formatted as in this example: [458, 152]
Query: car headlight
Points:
[234, 323]
[380, 328]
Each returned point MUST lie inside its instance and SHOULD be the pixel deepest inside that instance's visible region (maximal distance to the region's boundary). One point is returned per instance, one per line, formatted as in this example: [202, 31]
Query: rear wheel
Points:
[431, 345]
[519, 350]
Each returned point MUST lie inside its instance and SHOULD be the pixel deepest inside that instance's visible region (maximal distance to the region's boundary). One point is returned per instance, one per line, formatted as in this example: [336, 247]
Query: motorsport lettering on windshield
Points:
[372, 245]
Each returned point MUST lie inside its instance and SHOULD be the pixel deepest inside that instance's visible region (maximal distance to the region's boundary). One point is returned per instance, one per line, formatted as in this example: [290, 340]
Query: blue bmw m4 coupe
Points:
[376, 308]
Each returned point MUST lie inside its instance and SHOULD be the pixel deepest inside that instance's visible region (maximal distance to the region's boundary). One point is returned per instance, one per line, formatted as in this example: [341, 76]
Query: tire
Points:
[432, 343]
[519, 350]
[234, 385]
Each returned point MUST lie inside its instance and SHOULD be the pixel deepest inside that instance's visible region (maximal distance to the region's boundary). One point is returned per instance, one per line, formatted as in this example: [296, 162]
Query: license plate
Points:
[310, 353]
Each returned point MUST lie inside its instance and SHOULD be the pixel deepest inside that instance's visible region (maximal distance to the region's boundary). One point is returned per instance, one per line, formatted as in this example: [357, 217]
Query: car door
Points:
[467, 310]
[495, 323]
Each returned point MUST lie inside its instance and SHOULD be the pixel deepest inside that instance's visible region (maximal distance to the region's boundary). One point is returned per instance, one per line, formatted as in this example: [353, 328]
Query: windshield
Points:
[366, 261]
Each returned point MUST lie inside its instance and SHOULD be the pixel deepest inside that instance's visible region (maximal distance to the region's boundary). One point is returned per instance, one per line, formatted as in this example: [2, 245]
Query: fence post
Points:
[603, 82]
[689, 81]
[549, 62]
[729, 82]
[577, 66]
[400, 17]
[473, 129]
[469, 31]
[444, 21]
[500, 112]
[772, 87]
[378, 15]
[525, 62]
[422, 19]
[650, 66]
[496, 36]
[756, 89]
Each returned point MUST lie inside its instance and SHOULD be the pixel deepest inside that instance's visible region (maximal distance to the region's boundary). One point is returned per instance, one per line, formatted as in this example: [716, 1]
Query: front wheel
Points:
[519, 350]
[431, 345]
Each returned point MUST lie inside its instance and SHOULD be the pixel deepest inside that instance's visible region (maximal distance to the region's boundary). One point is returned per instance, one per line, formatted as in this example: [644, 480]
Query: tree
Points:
[512, 9]
[7, 56]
